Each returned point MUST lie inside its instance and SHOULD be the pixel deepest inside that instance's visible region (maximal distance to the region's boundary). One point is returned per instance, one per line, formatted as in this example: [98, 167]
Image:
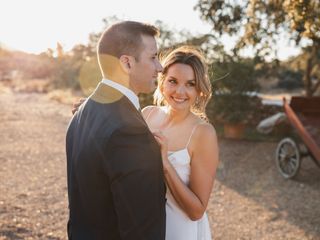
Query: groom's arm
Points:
[137, 185]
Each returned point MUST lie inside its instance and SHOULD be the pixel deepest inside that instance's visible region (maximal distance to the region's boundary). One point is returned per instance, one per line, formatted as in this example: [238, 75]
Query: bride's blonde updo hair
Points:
[192, 57]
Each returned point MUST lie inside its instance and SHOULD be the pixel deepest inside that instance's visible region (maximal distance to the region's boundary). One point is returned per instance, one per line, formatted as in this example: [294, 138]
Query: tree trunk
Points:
[307, 75]
[315, 87]
[316, 61]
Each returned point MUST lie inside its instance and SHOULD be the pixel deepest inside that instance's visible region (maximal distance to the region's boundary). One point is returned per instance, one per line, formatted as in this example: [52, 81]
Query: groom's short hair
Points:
[124, 38]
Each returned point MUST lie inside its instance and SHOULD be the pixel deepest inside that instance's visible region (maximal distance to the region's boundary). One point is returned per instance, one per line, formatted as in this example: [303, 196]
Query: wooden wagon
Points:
[303, 113]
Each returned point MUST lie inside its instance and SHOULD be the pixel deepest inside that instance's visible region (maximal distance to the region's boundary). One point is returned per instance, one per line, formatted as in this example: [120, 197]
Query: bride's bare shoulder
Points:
[206, 131]
[146, 111]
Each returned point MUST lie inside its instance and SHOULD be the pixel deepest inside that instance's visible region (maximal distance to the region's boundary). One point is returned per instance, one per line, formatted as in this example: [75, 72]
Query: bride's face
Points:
[179, 87]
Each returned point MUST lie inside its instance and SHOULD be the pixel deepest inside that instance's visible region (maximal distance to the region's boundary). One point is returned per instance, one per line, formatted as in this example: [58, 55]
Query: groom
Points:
[115, 176]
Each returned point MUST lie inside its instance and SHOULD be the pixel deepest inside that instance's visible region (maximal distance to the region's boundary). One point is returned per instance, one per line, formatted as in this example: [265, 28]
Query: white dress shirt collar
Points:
[125, 91]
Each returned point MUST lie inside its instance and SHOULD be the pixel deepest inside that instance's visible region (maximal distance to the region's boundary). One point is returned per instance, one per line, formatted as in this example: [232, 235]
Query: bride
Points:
[188, 142]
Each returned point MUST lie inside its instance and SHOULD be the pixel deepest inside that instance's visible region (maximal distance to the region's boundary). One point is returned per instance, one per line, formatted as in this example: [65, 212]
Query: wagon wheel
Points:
[288, 158]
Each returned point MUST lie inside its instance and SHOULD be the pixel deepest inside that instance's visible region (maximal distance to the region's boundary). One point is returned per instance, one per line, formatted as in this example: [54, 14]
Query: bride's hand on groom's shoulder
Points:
[76, 105]
[162, 140]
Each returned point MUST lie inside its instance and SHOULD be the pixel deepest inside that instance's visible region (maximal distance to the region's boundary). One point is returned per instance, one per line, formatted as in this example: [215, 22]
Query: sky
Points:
[35, 25]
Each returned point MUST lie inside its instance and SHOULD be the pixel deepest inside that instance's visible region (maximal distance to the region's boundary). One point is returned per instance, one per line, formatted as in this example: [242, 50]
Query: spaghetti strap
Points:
[149, 113]
[194, 128]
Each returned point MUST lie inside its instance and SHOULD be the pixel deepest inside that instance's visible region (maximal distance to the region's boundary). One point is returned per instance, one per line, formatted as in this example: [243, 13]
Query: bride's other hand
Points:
[76, 105]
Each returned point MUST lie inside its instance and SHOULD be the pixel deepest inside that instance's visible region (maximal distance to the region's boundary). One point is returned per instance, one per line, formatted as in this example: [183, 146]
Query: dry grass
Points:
[30, 85]
[250, 200]
[66, 96]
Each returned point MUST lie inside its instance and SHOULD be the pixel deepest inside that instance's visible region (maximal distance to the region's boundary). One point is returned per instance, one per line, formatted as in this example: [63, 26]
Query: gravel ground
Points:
[249, 200]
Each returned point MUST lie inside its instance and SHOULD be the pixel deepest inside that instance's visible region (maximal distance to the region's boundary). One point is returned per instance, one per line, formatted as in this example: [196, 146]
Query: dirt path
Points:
[249, 201]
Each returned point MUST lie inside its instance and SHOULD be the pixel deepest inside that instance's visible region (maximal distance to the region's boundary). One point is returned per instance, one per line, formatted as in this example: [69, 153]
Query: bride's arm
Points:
[193, 199]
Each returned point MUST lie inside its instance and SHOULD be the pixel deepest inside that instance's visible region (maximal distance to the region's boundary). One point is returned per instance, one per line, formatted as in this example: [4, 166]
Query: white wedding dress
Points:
[178, 225]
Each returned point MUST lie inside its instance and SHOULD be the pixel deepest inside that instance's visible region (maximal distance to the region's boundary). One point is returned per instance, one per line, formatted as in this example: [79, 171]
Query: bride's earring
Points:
[198, 99]
[197, 102]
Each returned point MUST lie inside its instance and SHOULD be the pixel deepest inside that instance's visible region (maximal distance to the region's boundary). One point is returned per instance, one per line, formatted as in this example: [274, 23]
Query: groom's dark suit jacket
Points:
[115, 178]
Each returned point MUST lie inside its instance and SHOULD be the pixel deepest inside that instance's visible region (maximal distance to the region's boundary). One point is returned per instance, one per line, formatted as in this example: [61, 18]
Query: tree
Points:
[259, 24]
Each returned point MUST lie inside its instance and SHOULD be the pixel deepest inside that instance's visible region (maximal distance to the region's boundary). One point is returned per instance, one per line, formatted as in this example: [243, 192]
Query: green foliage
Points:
[66, 73]
[240, 76]
[289, 79]
[259, 24]
[234, 108]
[76, 69]
[232, 99]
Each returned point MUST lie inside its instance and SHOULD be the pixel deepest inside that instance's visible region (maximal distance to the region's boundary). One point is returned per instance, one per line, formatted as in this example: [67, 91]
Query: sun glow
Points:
[35, 25]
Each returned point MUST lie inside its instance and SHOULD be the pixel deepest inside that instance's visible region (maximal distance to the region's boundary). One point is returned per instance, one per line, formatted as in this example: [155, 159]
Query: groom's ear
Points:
[126, 63]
